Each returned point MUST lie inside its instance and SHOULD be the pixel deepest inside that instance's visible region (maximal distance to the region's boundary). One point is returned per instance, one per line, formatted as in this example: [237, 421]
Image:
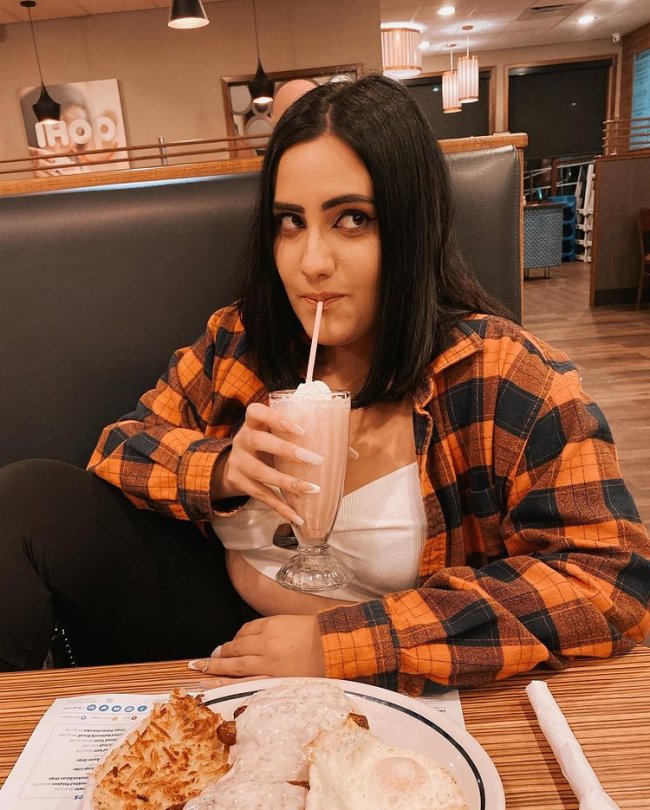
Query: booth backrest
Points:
[99, 285]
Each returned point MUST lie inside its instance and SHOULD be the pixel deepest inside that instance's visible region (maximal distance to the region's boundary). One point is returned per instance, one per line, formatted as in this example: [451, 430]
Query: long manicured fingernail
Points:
[306, 487]
[297, 519]
[291, 427]
[353, 453]
[216, 652]
[199, 664]
[306, 455]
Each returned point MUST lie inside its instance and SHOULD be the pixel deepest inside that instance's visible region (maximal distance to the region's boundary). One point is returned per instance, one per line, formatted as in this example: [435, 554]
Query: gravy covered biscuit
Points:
[165, 762]
[270, 762]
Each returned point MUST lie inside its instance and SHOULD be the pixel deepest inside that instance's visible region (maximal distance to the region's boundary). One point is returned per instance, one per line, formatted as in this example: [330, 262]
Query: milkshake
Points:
[325, 417]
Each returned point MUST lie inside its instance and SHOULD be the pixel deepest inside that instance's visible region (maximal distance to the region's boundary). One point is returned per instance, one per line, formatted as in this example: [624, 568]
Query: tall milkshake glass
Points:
[325, 417]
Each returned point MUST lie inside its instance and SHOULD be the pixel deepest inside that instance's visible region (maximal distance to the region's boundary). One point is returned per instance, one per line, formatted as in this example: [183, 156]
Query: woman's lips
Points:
[327, 301]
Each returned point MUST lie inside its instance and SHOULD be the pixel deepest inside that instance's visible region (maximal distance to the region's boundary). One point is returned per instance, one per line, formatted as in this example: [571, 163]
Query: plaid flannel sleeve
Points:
[162, 455]
[573, 581]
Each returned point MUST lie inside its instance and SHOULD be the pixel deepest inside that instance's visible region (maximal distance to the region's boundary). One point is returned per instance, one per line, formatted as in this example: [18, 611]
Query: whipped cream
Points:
[316, 389]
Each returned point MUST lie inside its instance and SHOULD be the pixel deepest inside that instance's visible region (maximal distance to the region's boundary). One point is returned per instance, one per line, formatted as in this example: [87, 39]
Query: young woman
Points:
[484, 516]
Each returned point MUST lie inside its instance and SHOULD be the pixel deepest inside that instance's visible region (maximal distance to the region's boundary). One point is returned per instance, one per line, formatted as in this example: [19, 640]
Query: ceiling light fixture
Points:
[46, 108]
[586, 19]
[467, 67]
[446, 11]
[450, 101]
[400, 50]
[424, 45]
[260, 87]
[186, 14]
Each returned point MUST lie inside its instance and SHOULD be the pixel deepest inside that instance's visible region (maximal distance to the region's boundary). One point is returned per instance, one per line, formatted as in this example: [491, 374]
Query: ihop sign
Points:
[78, 132]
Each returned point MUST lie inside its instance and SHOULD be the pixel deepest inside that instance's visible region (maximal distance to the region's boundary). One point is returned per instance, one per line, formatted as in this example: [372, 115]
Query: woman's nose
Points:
[317, 258]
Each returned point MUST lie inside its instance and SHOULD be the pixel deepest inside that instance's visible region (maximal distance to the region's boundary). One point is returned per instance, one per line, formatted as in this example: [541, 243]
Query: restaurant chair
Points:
[644, 244]
[542, 237]
[569, 209]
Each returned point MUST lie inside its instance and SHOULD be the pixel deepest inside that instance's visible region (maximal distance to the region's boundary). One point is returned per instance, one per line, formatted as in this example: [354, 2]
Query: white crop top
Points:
[379, 534]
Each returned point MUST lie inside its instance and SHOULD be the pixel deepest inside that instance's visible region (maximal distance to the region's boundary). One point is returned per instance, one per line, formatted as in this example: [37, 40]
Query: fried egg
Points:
[352, 770]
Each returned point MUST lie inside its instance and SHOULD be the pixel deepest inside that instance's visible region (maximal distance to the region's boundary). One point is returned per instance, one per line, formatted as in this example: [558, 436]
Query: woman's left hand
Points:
[272, 647]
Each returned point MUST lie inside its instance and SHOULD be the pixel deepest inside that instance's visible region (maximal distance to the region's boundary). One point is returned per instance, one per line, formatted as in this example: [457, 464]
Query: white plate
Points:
[405, 722]
[397, 720]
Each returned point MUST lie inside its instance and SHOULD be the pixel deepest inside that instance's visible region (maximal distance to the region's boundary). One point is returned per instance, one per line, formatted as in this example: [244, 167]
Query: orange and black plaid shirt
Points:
[535, 553]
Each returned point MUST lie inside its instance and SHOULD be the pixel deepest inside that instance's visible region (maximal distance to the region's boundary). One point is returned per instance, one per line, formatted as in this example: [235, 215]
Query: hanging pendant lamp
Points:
[467, 67]
[400, 51]
[450, 100]
[187, 14]
[46, 108]
[260, 87]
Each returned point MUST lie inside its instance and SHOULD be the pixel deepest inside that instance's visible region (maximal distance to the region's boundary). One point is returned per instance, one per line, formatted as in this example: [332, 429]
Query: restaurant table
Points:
[607, 704]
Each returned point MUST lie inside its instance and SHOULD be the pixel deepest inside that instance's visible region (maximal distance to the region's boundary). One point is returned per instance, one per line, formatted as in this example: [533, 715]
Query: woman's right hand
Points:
[247, 469]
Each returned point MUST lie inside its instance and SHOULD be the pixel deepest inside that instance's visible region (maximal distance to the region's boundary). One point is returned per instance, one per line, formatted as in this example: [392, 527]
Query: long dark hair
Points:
[425, 285]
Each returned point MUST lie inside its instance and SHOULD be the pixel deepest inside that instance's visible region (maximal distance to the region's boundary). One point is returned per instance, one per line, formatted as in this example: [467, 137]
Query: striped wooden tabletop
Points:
[607, 704]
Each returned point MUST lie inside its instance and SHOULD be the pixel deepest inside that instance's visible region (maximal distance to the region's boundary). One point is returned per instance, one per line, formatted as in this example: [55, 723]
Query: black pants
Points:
[127, 584]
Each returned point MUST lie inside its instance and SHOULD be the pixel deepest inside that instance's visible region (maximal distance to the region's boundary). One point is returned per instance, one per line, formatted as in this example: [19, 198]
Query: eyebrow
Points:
[341, 200]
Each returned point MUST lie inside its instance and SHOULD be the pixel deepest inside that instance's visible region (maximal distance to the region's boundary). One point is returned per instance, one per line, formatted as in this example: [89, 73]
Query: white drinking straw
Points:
[568, 752]
[314, 343]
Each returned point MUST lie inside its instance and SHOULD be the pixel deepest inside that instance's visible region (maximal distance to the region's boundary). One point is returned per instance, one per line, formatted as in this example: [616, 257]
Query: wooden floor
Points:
[611, 347]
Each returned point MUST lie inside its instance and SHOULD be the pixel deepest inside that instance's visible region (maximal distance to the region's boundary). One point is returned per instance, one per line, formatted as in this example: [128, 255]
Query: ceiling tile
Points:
[495, 21]
[110, 6]
[6, 17]
[53, 9]
[514, 6]
[523, 40]
[530, 25]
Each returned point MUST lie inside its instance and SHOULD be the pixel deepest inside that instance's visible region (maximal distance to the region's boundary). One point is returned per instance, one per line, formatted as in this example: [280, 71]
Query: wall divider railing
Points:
[161, 153]
[558, 176]
[622, 136]
[191, 157]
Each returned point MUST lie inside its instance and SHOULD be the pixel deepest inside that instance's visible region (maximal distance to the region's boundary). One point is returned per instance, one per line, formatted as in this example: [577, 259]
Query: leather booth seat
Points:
[99, 285]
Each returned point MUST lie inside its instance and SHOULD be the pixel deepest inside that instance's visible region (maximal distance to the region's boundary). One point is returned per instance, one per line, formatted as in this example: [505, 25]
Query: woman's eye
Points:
[353, 220]
[288, 222]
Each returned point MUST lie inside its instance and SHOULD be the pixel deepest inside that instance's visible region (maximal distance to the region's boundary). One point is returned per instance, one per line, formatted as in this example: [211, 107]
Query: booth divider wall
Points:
[622, 188]
[99, 285]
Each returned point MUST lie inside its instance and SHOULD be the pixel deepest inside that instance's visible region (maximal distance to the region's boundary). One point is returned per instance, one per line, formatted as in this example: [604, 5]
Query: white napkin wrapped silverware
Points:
[568, 752]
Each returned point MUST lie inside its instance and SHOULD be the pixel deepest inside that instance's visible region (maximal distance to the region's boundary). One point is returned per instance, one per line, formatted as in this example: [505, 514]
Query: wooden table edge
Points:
[607, 703]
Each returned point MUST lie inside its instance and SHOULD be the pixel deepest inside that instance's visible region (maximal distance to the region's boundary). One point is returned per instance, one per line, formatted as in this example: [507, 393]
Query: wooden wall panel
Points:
[633, 43]
[622, 187]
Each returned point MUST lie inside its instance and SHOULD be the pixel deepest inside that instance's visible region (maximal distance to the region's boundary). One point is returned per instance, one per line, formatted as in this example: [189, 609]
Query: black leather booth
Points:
[99, 285]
